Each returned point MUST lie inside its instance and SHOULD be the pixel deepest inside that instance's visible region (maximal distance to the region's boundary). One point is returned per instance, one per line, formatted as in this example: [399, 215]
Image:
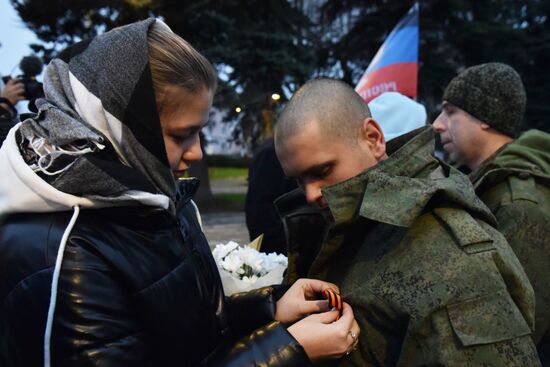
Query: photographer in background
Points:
[13, 91]
[23, 87]
[10, 93]
[30, 67]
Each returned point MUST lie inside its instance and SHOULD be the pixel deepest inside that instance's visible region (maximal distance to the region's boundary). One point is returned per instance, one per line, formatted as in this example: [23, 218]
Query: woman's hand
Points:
[322, 337]
[301, 300]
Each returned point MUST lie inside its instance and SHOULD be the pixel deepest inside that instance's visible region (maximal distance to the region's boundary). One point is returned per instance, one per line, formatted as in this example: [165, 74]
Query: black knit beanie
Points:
[493, 93]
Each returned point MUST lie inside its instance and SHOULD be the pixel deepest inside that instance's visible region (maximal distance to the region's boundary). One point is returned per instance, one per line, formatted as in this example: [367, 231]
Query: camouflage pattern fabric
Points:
[515, 185]
[431, 282]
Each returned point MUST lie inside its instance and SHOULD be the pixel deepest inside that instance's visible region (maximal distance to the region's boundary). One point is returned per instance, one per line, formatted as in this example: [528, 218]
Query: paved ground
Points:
[229, 186]
[224, 227]
[221, 227]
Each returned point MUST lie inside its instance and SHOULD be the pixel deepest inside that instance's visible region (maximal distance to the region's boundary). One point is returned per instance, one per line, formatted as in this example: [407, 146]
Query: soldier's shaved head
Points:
[333, 105]
[325, 136]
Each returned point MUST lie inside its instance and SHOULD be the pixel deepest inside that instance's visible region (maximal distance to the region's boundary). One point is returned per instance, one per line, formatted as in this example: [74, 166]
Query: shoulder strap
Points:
[522, 187]
[469, 235]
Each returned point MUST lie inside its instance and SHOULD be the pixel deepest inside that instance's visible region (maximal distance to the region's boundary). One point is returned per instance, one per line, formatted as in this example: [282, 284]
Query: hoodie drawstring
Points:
[55, 280]
[199, 219]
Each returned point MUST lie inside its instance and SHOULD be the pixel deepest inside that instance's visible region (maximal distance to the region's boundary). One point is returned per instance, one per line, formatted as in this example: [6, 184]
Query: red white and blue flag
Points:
[395, 65]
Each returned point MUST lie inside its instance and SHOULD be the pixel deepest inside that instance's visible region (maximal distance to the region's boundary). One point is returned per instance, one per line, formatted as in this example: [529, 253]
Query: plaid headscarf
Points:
[97, 132]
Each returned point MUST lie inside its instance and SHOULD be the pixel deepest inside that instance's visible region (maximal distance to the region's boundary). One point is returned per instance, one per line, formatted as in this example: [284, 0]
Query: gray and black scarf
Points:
[97, 131]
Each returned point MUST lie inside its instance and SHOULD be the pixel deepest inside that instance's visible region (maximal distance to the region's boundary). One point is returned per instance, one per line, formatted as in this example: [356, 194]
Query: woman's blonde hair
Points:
[174, 61]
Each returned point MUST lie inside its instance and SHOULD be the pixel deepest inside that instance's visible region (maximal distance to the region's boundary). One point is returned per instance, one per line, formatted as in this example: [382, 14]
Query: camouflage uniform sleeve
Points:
[525, 225]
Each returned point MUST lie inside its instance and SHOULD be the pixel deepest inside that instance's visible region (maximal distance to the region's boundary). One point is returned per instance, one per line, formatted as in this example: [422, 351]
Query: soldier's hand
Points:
[302, 300]
[322, 337]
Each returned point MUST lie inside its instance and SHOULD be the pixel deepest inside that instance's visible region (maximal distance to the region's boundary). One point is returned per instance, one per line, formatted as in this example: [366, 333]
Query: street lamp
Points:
[275, 96]
[238, 109]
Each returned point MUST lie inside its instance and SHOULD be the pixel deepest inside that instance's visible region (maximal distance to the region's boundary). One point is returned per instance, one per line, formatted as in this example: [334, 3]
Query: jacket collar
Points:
[397, 190]
[186, 188]
[486, 166]
[529, 153]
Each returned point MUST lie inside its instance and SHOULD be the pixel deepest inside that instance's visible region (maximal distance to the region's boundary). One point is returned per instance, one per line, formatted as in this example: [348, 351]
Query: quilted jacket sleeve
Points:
[270, 345]
[249, 310]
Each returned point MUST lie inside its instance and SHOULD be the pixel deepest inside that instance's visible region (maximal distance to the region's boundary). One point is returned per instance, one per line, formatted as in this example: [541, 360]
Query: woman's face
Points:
[182, 115]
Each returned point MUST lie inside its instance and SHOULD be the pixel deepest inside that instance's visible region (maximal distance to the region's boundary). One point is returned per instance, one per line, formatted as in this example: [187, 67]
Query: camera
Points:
[31, 66]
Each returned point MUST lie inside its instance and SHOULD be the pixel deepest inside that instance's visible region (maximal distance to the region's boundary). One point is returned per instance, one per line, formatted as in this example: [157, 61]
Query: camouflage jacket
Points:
[515, 184]
[412, 249]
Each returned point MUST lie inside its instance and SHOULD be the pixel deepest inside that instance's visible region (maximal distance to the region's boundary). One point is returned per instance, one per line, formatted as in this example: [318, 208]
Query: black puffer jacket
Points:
[136, 288]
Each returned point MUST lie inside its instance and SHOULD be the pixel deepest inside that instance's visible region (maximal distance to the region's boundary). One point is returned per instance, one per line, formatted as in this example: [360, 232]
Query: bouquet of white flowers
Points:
[243, 268]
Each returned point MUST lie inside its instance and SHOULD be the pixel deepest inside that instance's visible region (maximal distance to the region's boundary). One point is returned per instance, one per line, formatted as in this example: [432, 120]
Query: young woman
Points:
[103, 260]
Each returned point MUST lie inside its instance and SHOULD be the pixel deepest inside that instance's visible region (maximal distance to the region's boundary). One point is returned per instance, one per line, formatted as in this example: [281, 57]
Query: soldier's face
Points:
[317, 160]
[459, 132]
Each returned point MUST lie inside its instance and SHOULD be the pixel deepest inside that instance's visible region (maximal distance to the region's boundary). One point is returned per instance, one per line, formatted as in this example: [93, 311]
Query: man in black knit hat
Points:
[483, 109]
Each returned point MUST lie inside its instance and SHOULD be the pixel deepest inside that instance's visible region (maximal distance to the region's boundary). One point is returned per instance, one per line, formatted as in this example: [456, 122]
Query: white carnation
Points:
[232, 263]
[221, 250]
[252, 258]
[250, 280]
[244, 268]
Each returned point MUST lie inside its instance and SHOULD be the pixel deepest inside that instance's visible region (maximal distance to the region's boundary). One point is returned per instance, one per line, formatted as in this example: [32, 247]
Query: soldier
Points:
[483, 109]
[410, 245]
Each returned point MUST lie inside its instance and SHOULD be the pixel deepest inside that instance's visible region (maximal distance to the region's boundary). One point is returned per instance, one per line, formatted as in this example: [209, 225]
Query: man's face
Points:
[459, 132]
[316, 160]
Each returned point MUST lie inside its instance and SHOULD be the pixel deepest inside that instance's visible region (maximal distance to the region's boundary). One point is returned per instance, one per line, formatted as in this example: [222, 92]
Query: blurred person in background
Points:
[23, 87]
[11, 92]
[397, 114]
[266, 182]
